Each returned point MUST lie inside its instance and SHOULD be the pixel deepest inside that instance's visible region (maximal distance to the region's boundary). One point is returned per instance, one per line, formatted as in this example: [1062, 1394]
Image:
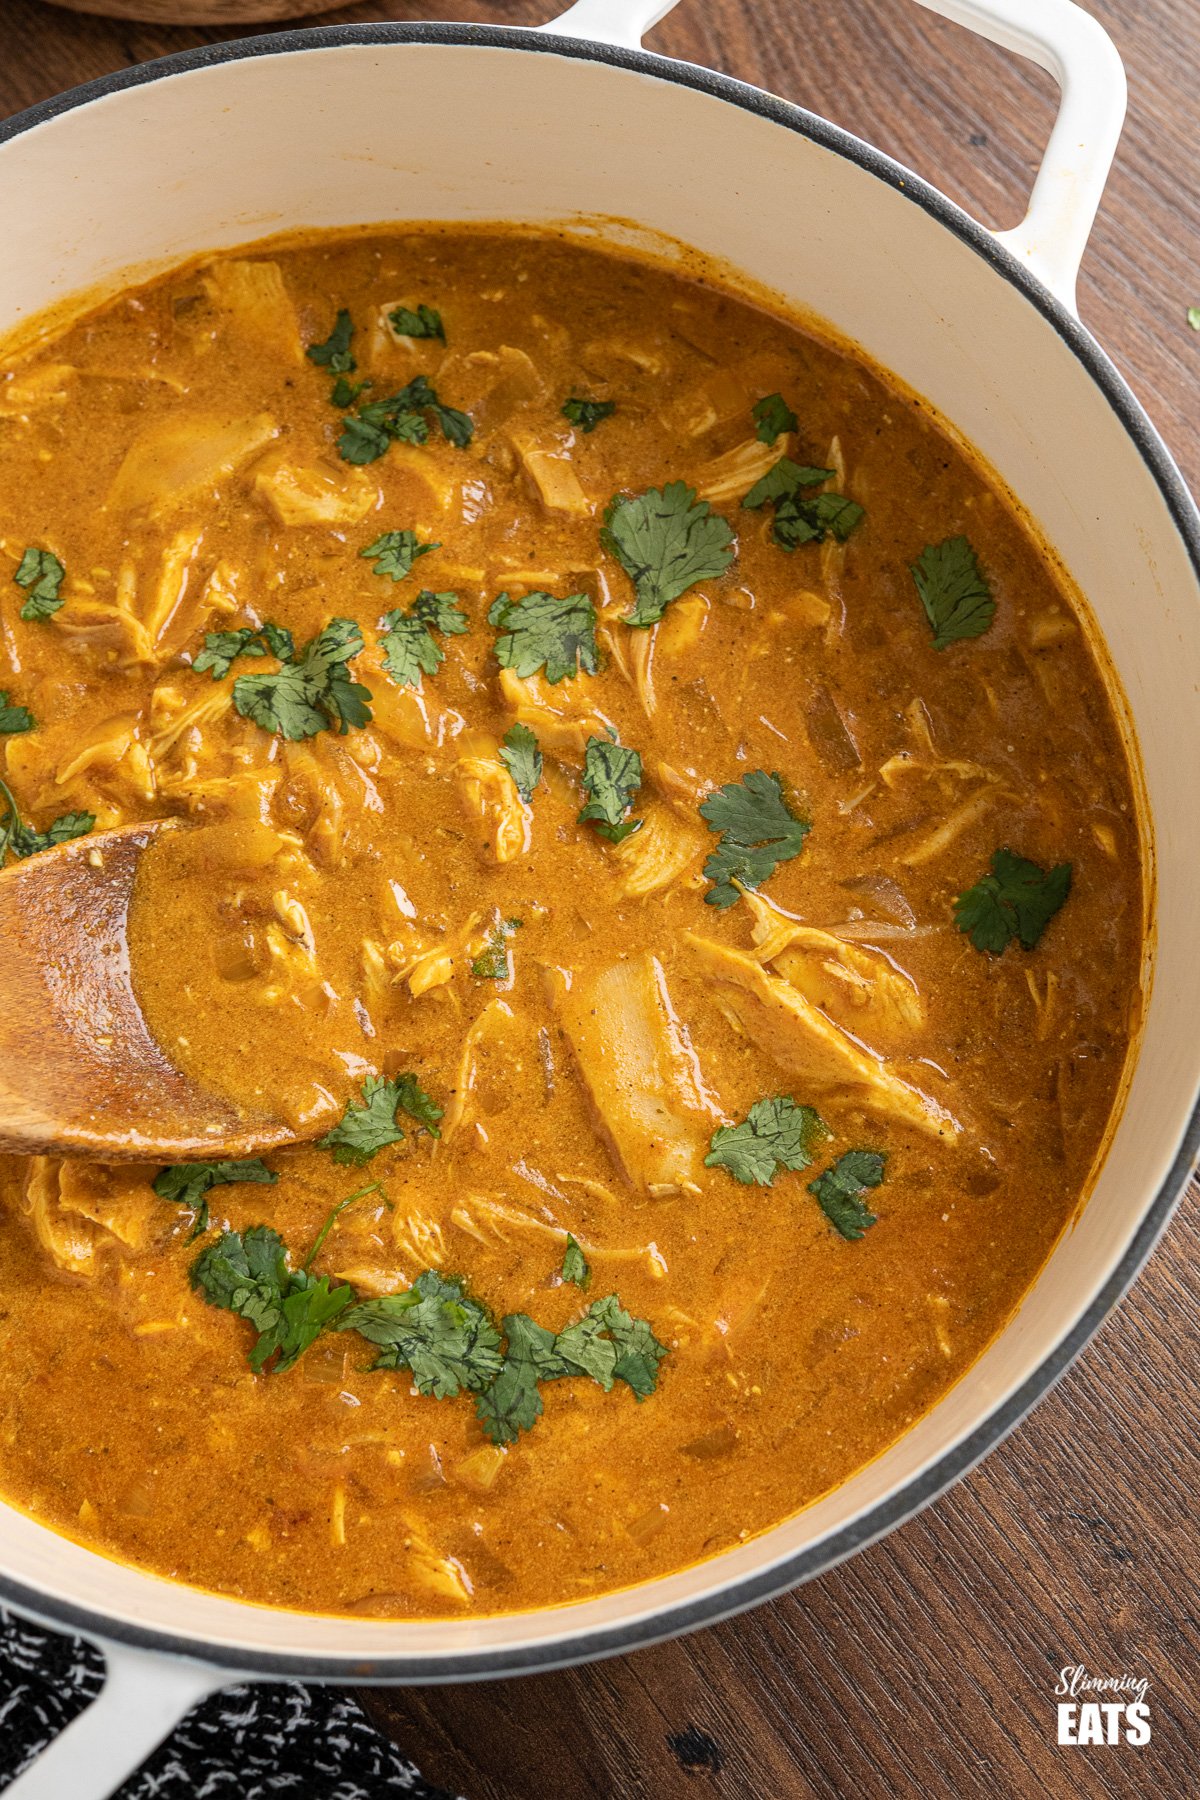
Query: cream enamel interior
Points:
[217, 155]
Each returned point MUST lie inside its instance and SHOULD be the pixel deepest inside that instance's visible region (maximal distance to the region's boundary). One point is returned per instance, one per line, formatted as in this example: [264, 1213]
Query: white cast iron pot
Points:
[368, 123]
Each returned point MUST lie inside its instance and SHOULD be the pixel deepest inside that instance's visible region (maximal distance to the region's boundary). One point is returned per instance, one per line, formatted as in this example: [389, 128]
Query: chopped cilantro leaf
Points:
[758, 832]
[412, 1099]
[954, 591]
[587, 414]
[607, 1344]
[435, 1330]
[334, 354]
[1193, 317]
[189, 1183]
[665, 540]
[409, 647]
[313, 692]
[14, 718]
[21, 840]
[402, 417]
[248, 1273]
[395, 552]
[363, 1130]
[513, 1402]
[575, 1264]
[782, 480]
[636, 1351]
[492, 963]
[521, 757]
[775, 1134]
[41, 574]
[612, 775]
[423, 322]
[222, 648]
[840, 1191]
[542, 631]
[344, 393]
[801, 519]
[773, 417]
[1017, 900]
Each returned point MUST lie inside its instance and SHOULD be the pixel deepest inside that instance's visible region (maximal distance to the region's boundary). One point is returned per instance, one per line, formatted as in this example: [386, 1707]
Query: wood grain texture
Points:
[924, 1667]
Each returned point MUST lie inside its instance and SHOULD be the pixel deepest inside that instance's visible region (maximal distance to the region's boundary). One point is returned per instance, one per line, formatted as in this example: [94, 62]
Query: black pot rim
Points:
[743, 1592]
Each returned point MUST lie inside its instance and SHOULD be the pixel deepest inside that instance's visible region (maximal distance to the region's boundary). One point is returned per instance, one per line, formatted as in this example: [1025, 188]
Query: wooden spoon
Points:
[80, 1074]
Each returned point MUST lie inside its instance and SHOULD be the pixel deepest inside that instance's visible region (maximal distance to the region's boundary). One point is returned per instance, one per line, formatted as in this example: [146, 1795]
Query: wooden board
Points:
[925, 1666]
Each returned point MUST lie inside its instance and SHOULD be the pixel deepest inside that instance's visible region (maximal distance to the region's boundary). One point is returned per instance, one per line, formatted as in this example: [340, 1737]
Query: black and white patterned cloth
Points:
[252, 1742]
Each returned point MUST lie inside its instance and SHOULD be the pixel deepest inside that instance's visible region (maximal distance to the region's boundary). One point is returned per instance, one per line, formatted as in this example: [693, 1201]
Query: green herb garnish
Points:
[446, 1339]
[395, 552]
[521, 757]
[409, 647]
[612, 775]
[424, 322]
[248, 1273]
[802, 518]
[344, 393]
[412, 1099]
[840, 1191]
[334, 354]
[773, 417]
[41, 574]
[364, 1130]
[954, 591]
[14, 718]
[607, 1344]
[1017, 900]
[541, 631]
[492, 963]
[313, 692]
[434, 1329]
[1193, 317]
[665, 540]
[21, 840]
[758, 831]
[575, 1264]
[222, 648]
[775, 1134]
[587, 414]
[188, 1184]
[404, 418]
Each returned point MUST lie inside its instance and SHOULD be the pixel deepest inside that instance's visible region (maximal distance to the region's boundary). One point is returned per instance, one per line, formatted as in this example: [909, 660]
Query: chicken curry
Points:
[657, 829]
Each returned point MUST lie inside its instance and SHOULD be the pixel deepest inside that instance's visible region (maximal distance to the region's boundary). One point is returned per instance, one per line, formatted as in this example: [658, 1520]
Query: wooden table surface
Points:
[926, 1665]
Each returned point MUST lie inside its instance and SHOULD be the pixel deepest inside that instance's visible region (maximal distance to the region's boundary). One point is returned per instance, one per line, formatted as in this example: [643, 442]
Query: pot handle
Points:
[1057, 35]
[142, 1700]
[1075, 48]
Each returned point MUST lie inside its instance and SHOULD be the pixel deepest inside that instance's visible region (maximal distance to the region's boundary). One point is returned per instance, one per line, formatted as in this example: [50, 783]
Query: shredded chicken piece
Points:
[557, 715]
[857, 987]
[253, 301]
[490, 796]
[730, 477]
[639, 1070]
[656, 856]
[311, 495]
[442, 1575]
[802, 1039]
[633, 654]
[495, 1022]
[551, 475]
[177, 461]
[961, 819]
[78, 1209]
[31, 390]
[426, 966]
